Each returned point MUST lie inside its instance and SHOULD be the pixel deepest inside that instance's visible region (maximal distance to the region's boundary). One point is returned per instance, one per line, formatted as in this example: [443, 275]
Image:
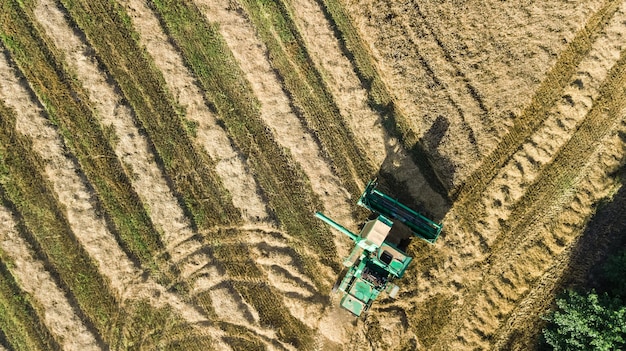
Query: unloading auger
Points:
[375, 261]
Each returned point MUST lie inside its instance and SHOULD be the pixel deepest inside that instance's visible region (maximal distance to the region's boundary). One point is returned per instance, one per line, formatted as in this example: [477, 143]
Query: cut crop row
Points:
[190, 171]
[555, 183]
[379, 96]
[284, 184]
[248, 279]
[560, 175]
[20, 324]
[308, 91]
[42, 222]
[67, 106]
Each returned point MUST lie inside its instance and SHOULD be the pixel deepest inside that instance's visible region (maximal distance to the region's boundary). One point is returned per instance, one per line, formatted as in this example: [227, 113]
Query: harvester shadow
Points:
[404, 178]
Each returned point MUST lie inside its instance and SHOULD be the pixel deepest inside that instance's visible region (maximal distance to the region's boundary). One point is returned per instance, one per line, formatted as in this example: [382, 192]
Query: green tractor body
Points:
[376, 261]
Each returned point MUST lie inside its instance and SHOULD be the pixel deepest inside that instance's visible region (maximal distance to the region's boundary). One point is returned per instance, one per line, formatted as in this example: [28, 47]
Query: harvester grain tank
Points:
[376, 261]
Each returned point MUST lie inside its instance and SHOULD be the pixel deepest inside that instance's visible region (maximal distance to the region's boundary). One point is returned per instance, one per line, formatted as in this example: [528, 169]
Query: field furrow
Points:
[309, 92]
[285, 187]
[230, 165]
[380, 96]
[109, 31]
[532, 117]
[57, 312]
[67, 106]
[275, 108]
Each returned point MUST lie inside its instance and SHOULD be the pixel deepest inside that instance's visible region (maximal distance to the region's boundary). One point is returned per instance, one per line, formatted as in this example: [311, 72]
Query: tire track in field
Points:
[547, 94]
[420, 91]
[519, 247]
[58, 313]
[459, 91]
[230, 165]
[276, 110]
[74, 194]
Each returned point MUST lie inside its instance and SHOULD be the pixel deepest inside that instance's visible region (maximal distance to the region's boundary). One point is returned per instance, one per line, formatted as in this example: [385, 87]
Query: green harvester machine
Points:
[376, 260]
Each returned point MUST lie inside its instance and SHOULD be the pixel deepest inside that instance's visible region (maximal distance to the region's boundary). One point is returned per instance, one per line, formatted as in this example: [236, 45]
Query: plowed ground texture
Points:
[161, 163]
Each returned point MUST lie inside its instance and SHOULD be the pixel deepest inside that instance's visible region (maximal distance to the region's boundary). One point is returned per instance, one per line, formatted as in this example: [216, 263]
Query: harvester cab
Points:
[376, 260]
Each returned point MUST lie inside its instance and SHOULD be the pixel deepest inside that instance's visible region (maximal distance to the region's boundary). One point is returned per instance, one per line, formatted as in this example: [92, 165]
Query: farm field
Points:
[161, 162]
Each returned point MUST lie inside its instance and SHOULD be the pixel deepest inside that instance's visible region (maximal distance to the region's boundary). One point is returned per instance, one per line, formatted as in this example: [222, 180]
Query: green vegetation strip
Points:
[251, 283]
[19, 321]
[290, 58]
[68, 108]
[379, 96]
[548, 93]
[189, 171]
[285, 186]
[41, 219]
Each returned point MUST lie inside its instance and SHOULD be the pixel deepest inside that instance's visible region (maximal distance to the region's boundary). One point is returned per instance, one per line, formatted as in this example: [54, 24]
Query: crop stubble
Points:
[522, 244]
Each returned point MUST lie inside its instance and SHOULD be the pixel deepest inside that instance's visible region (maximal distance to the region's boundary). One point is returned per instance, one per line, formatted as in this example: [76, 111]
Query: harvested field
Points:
[161, 162]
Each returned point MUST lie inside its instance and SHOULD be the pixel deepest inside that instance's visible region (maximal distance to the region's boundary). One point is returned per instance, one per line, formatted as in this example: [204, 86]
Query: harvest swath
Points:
[512, 111]
[21, 326]
[284, 185]
[43, 223]
[308, 91]
[107, 27]
[40, 64]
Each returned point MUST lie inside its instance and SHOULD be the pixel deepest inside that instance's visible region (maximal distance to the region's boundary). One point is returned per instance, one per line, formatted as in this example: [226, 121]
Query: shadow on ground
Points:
[403, 177]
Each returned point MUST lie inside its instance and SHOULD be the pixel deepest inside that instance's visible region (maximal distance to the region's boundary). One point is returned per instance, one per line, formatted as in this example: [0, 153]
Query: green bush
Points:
[614, 271]
[587, 322]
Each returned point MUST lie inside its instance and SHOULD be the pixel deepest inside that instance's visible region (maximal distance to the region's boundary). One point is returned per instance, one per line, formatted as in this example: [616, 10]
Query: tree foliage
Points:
[614, 272]
[587, 322]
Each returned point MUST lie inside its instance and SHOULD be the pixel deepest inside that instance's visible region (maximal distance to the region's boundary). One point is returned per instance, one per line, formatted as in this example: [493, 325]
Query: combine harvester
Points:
[377, 259]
